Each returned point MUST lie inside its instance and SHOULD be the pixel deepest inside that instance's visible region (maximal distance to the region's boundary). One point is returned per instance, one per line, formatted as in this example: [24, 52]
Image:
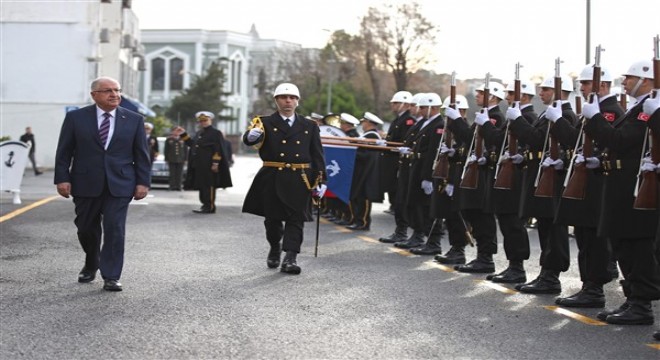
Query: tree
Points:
[205, 94]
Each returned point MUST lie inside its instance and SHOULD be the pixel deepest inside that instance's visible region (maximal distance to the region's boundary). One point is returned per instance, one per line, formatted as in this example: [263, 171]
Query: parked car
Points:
[160, 171]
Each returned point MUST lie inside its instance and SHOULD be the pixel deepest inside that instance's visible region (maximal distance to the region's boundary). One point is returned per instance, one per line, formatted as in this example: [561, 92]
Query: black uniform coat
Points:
[624, 140]
[443, 205]
[403, 175]
[389, 165]
[425, 146]
[654, 124]
[283, 194]
[584, 212]
[505, 201]
[205, 150]
[366, 182]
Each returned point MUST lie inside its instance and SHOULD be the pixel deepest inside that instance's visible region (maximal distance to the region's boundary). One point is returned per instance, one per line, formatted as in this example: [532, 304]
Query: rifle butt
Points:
[546, 184]
[504, 179]
[471, 178]
[577, 183]
[647, 196]
[441, 169]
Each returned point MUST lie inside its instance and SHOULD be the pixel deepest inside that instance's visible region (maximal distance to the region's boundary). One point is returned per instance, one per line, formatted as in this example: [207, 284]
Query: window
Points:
[176, 74]
[158, 74]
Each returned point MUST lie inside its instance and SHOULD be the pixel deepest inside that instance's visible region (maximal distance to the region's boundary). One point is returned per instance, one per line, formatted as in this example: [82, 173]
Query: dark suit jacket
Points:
[81, 159]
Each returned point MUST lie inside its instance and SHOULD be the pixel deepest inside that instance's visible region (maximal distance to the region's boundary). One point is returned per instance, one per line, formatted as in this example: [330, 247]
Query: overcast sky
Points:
[475, 37]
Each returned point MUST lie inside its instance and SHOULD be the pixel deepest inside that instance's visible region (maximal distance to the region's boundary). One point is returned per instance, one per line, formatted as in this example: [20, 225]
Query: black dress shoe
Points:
[476, 266]
[86, 275]
[491, 276]
[519, 286]
[512, 276]
[393, 238]
[426, 250]
[656, 335]
[274, 255]
[453, 257]
[604, 314]
[342, 222]
[358, 227]
[638, 313]
[289, 264]
[112, 285]
[542, 286]
[204, 211]
[587, 297]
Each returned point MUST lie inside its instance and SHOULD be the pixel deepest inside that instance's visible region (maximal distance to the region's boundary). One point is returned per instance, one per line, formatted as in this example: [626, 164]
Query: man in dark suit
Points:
[102, 161]
[293, 164]
[152, 141]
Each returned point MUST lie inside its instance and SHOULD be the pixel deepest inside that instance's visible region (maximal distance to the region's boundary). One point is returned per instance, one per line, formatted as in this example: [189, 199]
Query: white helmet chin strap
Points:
[634, 90]
[428, 113]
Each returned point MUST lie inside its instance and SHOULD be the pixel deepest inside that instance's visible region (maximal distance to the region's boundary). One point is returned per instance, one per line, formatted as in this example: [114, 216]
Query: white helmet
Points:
[372, 118]
[286, 89]
[402, 97]
[461, 102]
[642, 69]
[416, 98]
[496, 89]
[526, 87]
[587, 74]
[430, 99]
[566, 83]
[345, 117]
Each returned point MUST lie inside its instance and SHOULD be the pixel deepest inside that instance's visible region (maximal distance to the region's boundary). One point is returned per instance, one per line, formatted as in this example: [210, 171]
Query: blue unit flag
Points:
[339, 165]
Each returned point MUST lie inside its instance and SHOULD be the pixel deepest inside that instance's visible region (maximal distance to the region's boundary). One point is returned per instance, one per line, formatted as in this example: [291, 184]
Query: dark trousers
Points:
[640, 268]
[34, 163]
[176, 175]
[102, 216]
[516, 240]
[484, 230]
[593, 256]
[207, 197]
[361, 209]
[419, 219]
[455, 230]
[291, 231]
[555, 252]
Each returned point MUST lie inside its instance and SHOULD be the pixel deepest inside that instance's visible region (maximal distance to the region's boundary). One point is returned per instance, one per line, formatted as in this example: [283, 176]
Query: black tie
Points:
[105, 128]
[288, 121]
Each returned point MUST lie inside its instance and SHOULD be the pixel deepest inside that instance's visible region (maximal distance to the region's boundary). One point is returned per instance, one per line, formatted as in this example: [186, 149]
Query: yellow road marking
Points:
[498, 287]
[655, 346]
[440, 266]
[27, 208]
[581, 318]
[368, 239]
[401, 251]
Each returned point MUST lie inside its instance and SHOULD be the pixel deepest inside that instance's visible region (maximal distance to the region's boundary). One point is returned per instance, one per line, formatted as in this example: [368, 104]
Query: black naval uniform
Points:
[593, 251]
[365, 185]
[553, 238]
[634, 230]
[389, 169]
[507, 203]
[206, 150]
[424, 147]
[279, 191]
[175, 156]
[476, 204]
[446, 206]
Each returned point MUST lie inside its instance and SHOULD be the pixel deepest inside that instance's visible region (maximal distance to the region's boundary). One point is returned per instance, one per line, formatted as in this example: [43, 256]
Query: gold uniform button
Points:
[283, 141]
[274, 129]
[281, 154]
[298, 142]
[297, 155]
[306, 132]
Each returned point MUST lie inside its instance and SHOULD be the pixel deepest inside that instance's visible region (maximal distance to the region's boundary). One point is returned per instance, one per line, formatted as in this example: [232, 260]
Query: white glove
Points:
[503, 158]
[517, 159]
[647, 163]
[553, 113]
[404, 150]
[427, 186]
[557, 164]
[652, 104]
[320, 191]
[513, 112]
[445, 150]
[481, 117]
[591, 108]
[449, 189]
[593, 163]
[381, 142]
[480, 161]
[254, 134]
[452, 113]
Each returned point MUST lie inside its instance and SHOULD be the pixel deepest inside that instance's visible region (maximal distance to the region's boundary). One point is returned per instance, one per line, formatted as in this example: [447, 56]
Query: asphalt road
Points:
[197, 287]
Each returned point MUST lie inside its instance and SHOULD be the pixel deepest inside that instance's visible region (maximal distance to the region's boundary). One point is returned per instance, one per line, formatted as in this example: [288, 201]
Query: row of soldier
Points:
[608, 230]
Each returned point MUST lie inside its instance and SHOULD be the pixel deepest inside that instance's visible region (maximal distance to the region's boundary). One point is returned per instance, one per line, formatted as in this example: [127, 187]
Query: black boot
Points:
[399, 234]
[656, 335]
[604, 314]
[533, 282]
[415, 240]
[455, 256]
[514, 274]
[289, 264]
[274, 255]
[432, 246]
[590, 296]
[548, 284]
[483, 264]
[639, 312]
[613, 270]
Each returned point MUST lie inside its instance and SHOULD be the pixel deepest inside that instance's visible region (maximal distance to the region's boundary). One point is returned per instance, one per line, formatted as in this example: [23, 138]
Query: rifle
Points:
[470, 176]
[575, 185]
[506, 168]
[646, 194]
[441, 163]
[545, 178]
